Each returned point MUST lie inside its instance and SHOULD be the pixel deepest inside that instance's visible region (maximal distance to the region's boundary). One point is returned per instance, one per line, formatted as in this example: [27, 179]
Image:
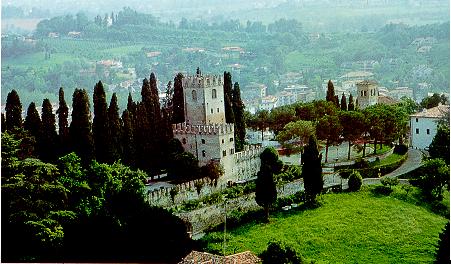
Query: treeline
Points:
[335, 121]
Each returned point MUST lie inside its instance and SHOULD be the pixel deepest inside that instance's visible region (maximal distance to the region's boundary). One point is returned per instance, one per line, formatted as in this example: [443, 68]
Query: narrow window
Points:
[211, 111]
[217, 109]
[417, 131]
[213, 94]
[224, 153]
[194, 94]
[203, 153]
[428, 132]
[203, 141]
[222, 141]
[184, 140]
[231, 151]
[231, 139]
[364, 93]
[416, 120]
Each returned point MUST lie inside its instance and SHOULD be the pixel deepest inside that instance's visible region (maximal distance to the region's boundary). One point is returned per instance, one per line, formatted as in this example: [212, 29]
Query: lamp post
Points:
[225, 225]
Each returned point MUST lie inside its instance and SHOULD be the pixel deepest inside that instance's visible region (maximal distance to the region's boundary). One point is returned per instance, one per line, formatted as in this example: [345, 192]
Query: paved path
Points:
[414, 157]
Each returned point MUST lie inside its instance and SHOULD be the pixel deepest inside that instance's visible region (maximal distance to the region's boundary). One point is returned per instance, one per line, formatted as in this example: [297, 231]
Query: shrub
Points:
[279, 253]
[355, 181]
[361, 163]
[390, 182]
[432, 178]
[400, 149]
[381, 190]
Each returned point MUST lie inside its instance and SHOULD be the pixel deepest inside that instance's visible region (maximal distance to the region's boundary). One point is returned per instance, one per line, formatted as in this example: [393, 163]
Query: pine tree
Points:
[343, 104]
[128, 142]
[178, 112]
[48, 140]
[312, 171]
[63, 124]
[13, 111]
[100, 123]
[351, 103]
[265, 189]
[114, 131]
[229, 116]
[131, 106]
[32, 121]
[240, 125]
[330, 96]
[80, 127]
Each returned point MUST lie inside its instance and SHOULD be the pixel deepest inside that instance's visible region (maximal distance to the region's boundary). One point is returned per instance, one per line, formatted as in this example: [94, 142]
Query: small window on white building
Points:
[203, 153]
[428, 132]
[231, 151]
[203, 141]
[416, 120]
[222, 141]
[213, 94]
[231, 139]
[417, 131]
[194, 95]
[224, 153]
[211, 111]
[217, 109]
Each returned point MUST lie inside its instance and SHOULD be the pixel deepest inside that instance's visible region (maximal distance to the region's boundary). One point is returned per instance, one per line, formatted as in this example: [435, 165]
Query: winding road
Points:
[414, 157]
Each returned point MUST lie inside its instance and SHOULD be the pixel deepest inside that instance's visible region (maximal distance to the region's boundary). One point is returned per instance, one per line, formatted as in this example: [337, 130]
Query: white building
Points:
[423, 125]
[269, 102]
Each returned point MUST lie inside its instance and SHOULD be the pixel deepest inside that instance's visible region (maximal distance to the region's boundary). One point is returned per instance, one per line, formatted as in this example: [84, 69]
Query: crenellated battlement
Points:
[209, 129]
[200, 81]
[249, 152]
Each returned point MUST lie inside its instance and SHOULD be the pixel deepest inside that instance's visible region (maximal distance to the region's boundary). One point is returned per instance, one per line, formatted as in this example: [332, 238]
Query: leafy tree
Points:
[433, 101]
[260, 121]
[329, 129]
[312, 171]
[280, 253]
[33, 121]
[213, 170]
[280, 116]
[296, 133]
[229, 115]
[442, 254]
[265, 190]
[48, 139]
[353, 125]
[181, 165]
[80, 127]
[178, 115]
[63, 124]
[343, 104]
[409, 105]
[13, 110]
[100, 123]
[270, 157]
[432, 178]
[114, 131]
[351, 106]
[330, 95]
[240, 124]
[355, 181]
[439, 147]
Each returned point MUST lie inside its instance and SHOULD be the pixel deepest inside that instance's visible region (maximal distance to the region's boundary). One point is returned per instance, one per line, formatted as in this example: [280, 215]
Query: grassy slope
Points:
[348, 228]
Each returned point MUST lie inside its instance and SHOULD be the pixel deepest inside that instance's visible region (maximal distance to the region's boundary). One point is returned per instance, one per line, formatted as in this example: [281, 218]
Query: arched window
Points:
[213, 94]
[194, 94]
[203, 153]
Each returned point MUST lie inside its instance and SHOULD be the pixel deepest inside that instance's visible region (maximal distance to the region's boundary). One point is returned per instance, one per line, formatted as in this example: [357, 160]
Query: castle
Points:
[205, 133]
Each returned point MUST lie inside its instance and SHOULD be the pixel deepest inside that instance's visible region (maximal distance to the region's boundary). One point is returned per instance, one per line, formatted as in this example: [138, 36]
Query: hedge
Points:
[373, 172]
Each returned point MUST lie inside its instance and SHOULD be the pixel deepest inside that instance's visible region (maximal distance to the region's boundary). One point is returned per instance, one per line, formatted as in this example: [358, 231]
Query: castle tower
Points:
[367, 93]
[204, 99]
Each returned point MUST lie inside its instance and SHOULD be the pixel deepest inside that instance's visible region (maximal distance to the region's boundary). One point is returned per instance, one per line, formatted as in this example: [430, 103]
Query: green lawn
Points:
[347, 228]
[36, 60]
[124, 50]
[392, 158]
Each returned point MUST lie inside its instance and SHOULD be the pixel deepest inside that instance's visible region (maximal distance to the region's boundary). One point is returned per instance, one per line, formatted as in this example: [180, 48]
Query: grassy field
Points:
[347, 228]
[37, 60]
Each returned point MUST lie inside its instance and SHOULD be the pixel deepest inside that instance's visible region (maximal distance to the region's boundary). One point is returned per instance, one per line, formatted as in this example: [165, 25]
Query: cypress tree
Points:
[240, 125]
[114, 131]
[48, 138]
[100, 123]
[178, 106]
[63, 124]
[312, 171]
[143, 138]
[128, 142]
[351, 103]
[229, 116]
[3, 123]
[80, 127]
[32, 121]
[330, 96]
[265, 189]
[343, 104]
[336, 101]
[131, 106]
[13, 111]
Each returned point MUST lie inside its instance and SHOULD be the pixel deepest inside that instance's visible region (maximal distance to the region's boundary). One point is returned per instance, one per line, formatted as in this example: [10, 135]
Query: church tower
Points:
[367, 93]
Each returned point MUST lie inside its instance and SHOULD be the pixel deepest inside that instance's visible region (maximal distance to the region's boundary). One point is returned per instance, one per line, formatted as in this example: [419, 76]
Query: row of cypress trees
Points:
[234, 110]
[138, 137]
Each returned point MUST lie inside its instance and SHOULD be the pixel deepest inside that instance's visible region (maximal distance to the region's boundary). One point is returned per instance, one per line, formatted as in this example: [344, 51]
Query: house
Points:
[286, 98]
[400, 92]
[74, 34]
[269, 102]
[253, 91]
[53, 35]
[196, 257]
[423, 125]
[356, 76]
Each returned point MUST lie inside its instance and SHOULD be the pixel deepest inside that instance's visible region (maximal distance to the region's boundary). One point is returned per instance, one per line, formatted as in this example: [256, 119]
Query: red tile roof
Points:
[196, 257]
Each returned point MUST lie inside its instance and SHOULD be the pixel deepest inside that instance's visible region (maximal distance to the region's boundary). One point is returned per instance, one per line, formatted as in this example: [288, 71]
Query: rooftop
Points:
[357, 74]
[435, 112]
[196, 257]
